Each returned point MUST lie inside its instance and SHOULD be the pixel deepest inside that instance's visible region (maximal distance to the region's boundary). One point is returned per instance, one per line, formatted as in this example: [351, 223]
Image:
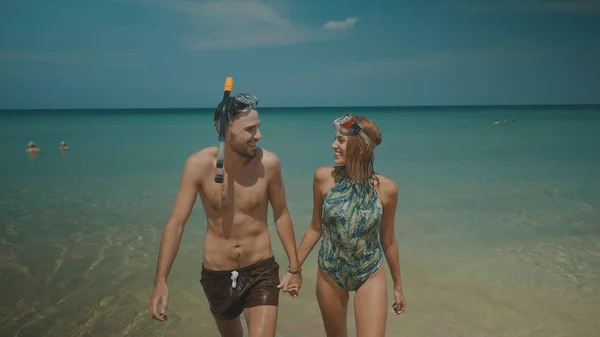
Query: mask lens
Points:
[237, 106]
[344, 123]
[347, 123]
[243, 102]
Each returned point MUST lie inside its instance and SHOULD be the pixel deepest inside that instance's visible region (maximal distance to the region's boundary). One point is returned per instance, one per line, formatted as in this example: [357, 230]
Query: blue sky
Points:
[177, 53]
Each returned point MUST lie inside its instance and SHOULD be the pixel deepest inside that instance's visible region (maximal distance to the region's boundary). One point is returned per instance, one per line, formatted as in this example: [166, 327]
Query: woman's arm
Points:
[313, 233]
[387, 236]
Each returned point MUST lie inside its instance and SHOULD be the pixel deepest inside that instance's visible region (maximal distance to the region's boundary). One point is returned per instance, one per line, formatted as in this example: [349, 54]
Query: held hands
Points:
[399, 302]
[160, 294]
[291, 283]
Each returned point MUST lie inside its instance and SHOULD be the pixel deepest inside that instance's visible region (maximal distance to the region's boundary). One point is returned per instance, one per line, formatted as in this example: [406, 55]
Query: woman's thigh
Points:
[333, 302]
[370, 306]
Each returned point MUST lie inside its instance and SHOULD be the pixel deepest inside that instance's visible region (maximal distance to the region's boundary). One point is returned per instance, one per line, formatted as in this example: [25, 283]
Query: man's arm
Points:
[283, 220]
[184, 202]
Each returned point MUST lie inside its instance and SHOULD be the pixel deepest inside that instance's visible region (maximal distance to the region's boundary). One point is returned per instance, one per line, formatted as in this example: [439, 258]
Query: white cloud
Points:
[439, 61]
[40, 56]
[108, 60]
[247, 23]
[444, 59]
[236, 24]
[534, 6]
[341, 25]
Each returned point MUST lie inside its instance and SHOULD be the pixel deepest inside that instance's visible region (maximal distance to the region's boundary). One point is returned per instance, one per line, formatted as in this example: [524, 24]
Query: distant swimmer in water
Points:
[512, 121]
[496, 122]
[63, 146]
[32, 149]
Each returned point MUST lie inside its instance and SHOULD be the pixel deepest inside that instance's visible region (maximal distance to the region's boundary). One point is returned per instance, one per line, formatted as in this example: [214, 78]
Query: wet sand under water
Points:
[84, 286]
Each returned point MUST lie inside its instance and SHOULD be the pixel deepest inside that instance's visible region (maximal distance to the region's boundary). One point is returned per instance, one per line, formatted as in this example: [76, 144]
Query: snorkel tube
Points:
[222, 130]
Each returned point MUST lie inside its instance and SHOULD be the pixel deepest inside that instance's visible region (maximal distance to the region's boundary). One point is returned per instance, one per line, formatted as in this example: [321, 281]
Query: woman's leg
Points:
[370, 306]
[333, 302]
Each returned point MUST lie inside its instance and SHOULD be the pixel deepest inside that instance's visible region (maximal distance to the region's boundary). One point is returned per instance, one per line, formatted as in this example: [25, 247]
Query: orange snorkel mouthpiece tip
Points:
[228, 83]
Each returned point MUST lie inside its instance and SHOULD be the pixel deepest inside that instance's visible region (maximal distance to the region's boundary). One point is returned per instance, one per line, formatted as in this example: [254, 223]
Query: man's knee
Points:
[261, 320]
[229, 327]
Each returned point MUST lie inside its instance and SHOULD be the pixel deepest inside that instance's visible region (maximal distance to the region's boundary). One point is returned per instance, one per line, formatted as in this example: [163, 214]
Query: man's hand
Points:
[291, 283]
[160, 294]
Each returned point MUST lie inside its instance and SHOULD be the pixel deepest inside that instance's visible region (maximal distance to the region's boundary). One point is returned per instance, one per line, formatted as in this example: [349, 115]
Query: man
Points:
[239, 273]
[31, 148]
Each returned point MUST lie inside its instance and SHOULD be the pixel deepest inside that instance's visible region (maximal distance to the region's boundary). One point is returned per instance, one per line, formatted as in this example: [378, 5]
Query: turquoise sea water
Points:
[498, 225]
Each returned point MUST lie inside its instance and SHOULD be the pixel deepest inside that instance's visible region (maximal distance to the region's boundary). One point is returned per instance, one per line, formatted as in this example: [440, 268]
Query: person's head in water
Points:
[63, 144]
[355, 140]
[31, 144]
[242, 132]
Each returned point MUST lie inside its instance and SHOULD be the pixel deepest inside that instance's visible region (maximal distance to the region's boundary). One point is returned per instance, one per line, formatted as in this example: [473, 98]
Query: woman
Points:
[354, 212]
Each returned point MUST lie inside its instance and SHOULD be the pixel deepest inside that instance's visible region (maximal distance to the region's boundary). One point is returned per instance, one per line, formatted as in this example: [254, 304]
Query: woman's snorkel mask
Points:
[347, 125]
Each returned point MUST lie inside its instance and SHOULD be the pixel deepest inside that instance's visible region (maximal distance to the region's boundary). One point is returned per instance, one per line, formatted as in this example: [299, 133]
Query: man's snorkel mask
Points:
[240, 103]
[347, 125]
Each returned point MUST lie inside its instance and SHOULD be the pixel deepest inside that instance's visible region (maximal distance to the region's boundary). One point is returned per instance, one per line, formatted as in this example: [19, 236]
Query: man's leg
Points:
[230, 327]
[225, 303]
[262, 300]
[261, 320]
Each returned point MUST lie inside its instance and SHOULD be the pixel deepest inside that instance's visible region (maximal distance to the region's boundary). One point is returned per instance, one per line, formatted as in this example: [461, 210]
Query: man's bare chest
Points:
[233, 196]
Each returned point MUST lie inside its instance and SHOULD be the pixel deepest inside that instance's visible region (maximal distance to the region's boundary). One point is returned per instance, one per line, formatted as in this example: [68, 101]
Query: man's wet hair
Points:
[218, 112]
[234, 108]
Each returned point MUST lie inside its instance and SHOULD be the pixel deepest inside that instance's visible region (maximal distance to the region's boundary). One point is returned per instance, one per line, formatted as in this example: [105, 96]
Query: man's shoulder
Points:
[269, 159]
[203, 157]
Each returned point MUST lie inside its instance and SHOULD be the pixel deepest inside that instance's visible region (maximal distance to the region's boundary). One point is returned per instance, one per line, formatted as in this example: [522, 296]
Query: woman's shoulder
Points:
[325, 178]
[387, 187]
[326, 173]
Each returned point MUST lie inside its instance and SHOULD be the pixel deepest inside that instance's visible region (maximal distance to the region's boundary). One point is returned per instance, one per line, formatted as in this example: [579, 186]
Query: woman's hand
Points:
[399, 302]
[291, 284]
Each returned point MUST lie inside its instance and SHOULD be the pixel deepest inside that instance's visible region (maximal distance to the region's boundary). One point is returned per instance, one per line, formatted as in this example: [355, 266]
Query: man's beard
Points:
[244, 152]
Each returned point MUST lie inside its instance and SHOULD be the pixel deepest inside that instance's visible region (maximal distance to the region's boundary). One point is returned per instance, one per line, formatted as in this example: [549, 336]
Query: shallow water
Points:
[497, 224]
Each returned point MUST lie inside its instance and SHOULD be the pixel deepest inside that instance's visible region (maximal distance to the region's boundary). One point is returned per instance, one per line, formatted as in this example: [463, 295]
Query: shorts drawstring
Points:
[234, 275]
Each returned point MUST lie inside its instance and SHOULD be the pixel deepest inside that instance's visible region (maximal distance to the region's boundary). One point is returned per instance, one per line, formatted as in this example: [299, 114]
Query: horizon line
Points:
[321, 107]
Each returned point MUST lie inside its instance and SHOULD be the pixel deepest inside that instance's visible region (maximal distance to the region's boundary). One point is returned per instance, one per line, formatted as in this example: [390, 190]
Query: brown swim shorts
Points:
[230, 291]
